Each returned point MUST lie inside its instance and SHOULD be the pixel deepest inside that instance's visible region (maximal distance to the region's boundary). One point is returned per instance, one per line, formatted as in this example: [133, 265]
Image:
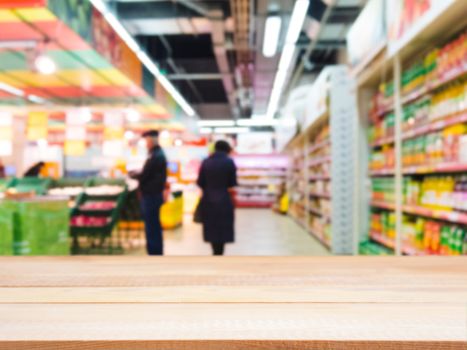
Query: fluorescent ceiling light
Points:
[143, 57]
[271, 35]
[296, 24]
[296, 21]
[257, 122]
[11, 90]
[36, 99]
[45, 65]
[231, 130]
[287, 55]
[211, 123]
[205, 130]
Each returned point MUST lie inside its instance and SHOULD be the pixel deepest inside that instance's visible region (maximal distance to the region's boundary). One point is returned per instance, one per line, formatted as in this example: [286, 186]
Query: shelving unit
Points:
[260, 179]
[320, 178]
[412, 136]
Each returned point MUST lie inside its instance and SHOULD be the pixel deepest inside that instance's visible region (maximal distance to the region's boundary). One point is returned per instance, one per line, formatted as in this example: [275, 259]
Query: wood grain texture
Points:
[233, 303]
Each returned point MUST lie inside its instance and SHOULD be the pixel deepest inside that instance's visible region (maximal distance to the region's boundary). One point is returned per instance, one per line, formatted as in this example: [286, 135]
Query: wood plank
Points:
[238, 294]
[233, 303]
[152, 323]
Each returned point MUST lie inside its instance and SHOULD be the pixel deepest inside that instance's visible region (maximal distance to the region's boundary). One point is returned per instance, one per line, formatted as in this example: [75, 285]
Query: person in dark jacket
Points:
[217, 176]
[35, 170]
[152, 182]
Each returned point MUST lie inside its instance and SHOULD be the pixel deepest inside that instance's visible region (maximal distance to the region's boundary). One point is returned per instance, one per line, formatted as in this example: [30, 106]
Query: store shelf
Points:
[320, 160]
[258, 184]
[450, 76]
[319, 213]
[253, 204]
[383, 240]
[381, 172]
[446, 215]
[383, 141]
[320, 238]
[319, 145]
[320, 195]
[411, 251]
[319, 178]
[383, 205]
[439, 168]
[435, 126]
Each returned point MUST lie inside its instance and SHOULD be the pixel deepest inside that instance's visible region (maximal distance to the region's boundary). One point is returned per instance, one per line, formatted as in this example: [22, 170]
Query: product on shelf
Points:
[383, 159]
[446, 146]
[433, 237]
[437, 192]
[383, 223]
[383, 189]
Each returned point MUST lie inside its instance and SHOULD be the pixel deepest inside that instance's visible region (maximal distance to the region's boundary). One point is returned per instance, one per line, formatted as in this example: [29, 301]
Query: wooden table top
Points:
[233, 303]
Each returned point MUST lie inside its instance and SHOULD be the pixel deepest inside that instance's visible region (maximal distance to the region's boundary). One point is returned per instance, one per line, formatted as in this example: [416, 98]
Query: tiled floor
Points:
[258, 232]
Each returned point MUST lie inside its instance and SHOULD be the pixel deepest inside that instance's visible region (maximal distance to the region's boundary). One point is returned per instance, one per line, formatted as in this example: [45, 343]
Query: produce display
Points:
[97, 205]
[71, 191]
[104, 190]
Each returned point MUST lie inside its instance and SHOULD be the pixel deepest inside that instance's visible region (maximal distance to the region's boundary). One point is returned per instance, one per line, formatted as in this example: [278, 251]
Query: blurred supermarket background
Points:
[348, 120]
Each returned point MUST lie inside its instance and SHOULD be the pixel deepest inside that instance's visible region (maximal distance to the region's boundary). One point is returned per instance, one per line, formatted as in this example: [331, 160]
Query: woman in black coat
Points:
[217, 176]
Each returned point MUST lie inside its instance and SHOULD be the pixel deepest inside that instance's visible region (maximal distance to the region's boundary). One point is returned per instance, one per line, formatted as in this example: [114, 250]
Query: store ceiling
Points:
[83, 77]
[212, 49]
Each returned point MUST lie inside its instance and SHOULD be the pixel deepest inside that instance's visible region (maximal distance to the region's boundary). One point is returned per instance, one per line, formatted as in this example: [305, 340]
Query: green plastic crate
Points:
[30, 184]
[41, 227]
[6, 228]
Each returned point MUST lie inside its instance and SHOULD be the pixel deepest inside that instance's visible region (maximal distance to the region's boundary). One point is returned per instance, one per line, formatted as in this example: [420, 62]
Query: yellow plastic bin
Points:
[172, 212]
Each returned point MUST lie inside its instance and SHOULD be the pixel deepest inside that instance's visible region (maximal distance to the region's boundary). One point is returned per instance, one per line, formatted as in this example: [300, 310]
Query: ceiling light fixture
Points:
[257, 122]
[271, 35]
[143, 57]
[296, 24]
[132, 115]
[231, 130]
[214, 123]
[205, 131]
[129, 135]
[178, 142]
[45, 65]
[11, 90]
[165, 134]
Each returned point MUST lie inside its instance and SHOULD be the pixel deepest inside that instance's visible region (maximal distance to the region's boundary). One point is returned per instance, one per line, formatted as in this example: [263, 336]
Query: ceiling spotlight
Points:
[129, 135]
[86, 114]
[132, 115]
[165, 134]
[45, 65]
[178, 142]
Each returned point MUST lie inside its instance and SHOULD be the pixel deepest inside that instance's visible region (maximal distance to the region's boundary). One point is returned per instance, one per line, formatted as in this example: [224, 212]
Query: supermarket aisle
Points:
[259, 232]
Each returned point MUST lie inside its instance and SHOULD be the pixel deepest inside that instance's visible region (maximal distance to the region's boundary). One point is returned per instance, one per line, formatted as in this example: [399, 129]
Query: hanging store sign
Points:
[37, 126]
[6, 134]
[22, 3]
[75, 141]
